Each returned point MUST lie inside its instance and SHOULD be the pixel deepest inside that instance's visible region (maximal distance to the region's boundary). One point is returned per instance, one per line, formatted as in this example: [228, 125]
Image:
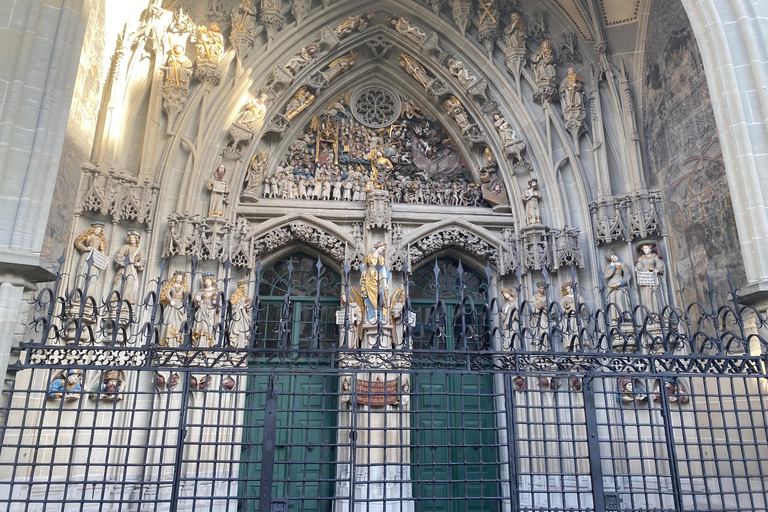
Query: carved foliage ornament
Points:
[120, 197]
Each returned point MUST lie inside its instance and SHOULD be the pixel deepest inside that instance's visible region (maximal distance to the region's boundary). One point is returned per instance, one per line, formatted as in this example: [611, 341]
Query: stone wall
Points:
[684, 156]
[78, 139]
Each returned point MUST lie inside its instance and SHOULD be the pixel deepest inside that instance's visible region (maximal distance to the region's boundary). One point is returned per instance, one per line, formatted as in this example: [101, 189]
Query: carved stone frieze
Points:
[220, 240]
[567, 248]
[118, 196]
[627, 218]
[378, 213]
[452, 236]
[542, 247]
[462, 14]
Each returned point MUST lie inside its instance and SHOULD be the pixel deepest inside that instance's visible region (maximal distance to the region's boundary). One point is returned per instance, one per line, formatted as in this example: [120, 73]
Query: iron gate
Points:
[662, 412]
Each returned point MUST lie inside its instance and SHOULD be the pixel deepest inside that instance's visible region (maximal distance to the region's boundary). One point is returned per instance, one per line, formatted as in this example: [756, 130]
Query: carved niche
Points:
[119, 196]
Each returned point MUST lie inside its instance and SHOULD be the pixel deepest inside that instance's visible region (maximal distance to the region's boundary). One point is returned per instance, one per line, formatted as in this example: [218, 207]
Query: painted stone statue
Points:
[173, 296]
[543, 65]
[219, 192]
[407, 29]
[615, 274]
[208, 308]
[240, 329]
[513, 145]
[68, 384]
[531, 198]
[416, 70]
[374, 283]
[510, 317]
[129, 268]
[354, 331]
[648, 269]
[91, 242]
[351, 23]
[515, 33]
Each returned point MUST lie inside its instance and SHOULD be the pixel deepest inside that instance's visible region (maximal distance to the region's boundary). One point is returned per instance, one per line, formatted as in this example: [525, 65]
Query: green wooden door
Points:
[454, 439]
[305, 441]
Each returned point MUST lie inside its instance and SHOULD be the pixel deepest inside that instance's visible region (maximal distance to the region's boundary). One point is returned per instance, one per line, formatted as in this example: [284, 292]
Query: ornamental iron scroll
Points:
[376, 106]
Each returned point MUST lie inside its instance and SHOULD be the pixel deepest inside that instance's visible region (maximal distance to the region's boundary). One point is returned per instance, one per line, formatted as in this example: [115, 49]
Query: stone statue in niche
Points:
[242, 130]
[374, 283]
[510, 317]
[173, 296]
[257, 172]
[239, 332]
[513, 145]
[398, 316]
[570, 309]
[297, 62]
[492, 188]
[219, 192]
[301, 100]
[630, 390]
[130, 261]
[407, 29]
[68, 384]
[456, 109]
[514, 45]
[208, 308]
[355, 326]
[531, 198]
[615, 274]
[676, 391]
[210, 45]
[543, 66]
[648, 269]
[572, 101]
[339, 66]
[416, 70]
[175, 90]
[90, 243]
[244, 17]
[351, 23]
[457, 69]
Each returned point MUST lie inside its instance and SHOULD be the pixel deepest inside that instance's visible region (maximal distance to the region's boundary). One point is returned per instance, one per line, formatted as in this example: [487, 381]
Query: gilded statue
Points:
[172, 296]
[416, 70]
[379, 164]
[648, 268]
[301, 100]
[209, 43]
[130, 261]
[219, 192]
[571, 90]
[257, 171]
[91, 242]
[531, 198]
[456, 109]
[374, 282]
[244, 16]
[352, 23]
[543, 65]
[407, 29]
[178, 68]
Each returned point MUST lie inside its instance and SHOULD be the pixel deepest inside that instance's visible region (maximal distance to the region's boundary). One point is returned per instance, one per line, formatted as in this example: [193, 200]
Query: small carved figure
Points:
[208, 308]
[398, 316]
[407, 29]
[112, 383]
[301, 100]
[91, 242]
[513, 145]
[456, 109]
[457, 69]
[515, 32]
[615, 273]
[244, 16]
[178, 68]
[355, 326]
[301, 59]
[68, 384]
[648, 268]
[531, 198]
[631, 391]
[241, 316]
[339, 66]
[570, 89]
[543, 65]
[130, 268]
[257, 171]
[219, 192]
[172, 297]
[509, 315]
[209, 43]
[374, 282]
[352, 23]
[416, 70]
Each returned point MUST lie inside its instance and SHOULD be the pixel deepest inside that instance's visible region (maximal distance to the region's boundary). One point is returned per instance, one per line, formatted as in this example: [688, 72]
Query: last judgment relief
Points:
[388, 143]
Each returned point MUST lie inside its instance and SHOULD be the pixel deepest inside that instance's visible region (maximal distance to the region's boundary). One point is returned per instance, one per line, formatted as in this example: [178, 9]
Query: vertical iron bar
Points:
[268, 446]
[514, 497]
[593, 444]
[674, 471]
[182, 434]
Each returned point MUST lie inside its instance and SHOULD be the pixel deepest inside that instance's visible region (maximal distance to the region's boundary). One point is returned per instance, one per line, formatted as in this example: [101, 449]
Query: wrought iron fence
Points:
[202, 399]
